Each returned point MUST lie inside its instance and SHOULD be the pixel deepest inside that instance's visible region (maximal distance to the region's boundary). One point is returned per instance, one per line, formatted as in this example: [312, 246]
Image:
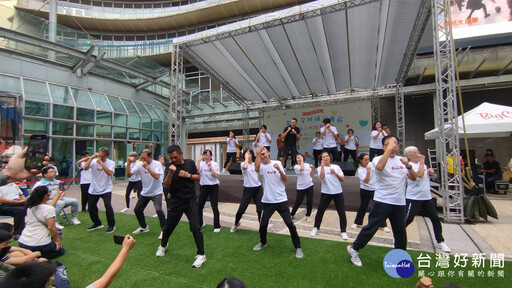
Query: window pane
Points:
[84, 130]
[165, 127]
[62, 112]
[133, 121]
[62, 151]
[161, 113]
[83, 114]
[152, 112]
[146, 123]
[61, 94]
[134, 134]
[103, 131]
[35, 126]
[37, 109]
[116, 104]
[146, 135]
[157, 125]
[130, 107]
[36, 90]
[10, 84]
[82, 98]
[165, 137]
[142, 110]
[62, 128]
[104, 117]
[119, 133]
[157, 137]
[100, 101]
[120, 119]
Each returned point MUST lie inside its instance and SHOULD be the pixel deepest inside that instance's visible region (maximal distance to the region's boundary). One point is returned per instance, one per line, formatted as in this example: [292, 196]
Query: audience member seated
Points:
[12, 203]
[40, 233]
[34, 274]
[492, 171]
[15, 256]
[49, 181]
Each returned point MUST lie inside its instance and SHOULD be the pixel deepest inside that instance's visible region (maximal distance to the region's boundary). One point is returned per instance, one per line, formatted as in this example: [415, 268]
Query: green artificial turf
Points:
[325, 263]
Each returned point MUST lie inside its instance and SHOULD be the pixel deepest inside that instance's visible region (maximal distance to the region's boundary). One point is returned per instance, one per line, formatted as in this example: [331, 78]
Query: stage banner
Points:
[355, 115]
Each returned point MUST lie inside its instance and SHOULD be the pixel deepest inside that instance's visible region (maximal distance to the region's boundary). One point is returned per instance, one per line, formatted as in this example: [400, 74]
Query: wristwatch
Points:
[408, 167]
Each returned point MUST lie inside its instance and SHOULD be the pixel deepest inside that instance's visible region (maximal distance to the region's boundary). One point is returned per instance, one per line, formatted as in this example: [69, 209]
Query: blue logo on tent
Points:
[398, 264]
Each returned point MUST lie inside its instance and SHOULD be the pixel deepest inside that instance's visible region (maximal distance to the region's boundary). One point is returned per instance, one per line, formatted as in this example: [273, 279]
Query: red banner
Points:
[313, 112]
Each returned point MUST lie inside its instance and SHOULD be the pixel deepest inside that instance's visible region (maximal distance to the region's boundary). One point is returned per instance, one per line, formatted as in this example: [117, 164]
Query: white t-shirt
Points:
[330, 184]
[376, 143]
[390, 181]
[206, 174]
[304, 179]
[36, 232]
[150, 186]
[11, 191]
[85, 175]
[52, 185]
[273, 187]
[329, 140]
[350, 143]
[419, 189]
[361, 174]
[263, 140]
[136, 176]
[231, 145]
[101, 182]
[251, 178]
[319, 145]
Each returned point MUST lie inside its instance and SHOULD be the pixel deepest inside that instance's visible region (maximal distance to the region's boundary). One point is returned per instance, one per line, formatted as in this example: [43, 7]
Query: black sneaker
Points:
[94, 227]
[111, 229]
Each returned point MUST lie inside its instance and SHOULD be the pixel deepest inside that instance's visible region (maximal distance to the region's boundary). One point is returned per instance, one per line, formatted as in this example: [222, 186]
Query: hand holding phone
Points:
[37, 150]
[62, 186]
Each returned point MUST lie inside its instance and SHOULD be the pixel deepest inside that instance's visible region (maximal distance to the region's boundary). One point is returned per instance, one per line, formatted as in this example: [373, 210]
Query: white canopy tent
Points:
[486, 120]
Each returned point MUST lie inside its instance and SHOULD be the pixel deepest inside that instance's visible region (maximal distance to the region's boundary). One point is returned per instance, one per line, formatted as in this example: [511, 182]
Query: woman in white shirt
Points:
[304, 172]
[351, 142]
[366, 174]
[134, 182]
[230, 149]
[85, 179]
[252, 188]
[209, 186]
[40, 233]
[331, 176]
[376, 140]
[318, 147]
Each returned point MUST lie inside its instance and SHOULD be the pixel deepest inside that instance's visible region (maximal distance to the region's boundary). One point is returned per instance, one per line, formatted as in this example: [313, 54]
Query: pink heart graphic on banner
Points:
[347, 125]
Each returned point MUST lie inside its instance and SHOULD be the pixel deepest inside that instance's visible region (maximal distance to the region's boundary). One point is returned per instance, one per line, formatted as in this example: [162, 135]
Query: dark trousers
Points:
[300, 197]
[339, 203]
[249, 193]
[348, 153]
[414, 206]
[490, 181]
[141, 205]
[379, 213]
[284, 210]
[213, 192]
[48, 251]
[316, 156]
[375, 152]
[135, 186]
[230, 156]
[334, 152]
[366, 197]
[93, 208]
[84, 189]
[175, 210]
[289, 150]
[18, 212]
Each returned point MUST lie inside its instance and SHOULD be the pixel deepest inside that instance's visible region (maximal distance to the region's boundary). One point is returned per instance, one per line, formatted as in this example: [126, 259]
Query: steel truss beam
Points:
[446, 106]
[400, 115]
[176, 128]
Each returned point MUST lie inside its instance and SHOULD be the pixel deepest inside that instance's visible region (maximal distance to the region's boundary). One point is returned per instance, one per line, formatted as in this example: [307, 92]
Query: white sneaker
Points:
[124, 210]
[160, 252]
[234, 227]
[308, 218]
[161, 235]
[75, 221]
[344, 236]
[298, 253]
[355, 226]
[204, 224]
[199, 260]
[141, 230]
[385, 229]
[59, 226]
[314, 232]
[216, 230]
[133, 195]
[354, 256]
[259, 246]
[154, 216]
[444, 247]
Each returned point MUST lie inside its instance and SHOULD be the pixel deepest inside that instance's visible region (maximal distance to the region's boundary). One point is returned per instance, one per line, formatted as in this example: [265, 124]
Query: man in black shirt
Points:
[180, 178]
[290, 136]
[492, 171]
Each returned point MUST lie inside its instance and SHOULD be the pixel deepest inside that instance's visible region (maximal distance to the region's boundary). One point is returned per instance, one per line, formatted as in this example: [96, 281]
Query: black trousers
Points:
[84, 189]
[366, 197]
[348, 153]
[339, 202]
[284, 210]
[93, 208]
[141, 205]
[316, 155]
[249, 193]
[230, 156]
[213, 192]
[175, 210]
[18, 212]
[375, 152]
[135, 186]
[414, 206]
[379, 213]
[300, 197]
[334, 152]
[289, 150]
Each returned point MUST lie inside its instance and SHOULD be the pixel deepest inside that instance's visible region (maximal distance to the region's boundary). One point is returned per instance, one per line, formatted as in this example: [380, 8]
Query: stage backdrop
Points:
[356, 115]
